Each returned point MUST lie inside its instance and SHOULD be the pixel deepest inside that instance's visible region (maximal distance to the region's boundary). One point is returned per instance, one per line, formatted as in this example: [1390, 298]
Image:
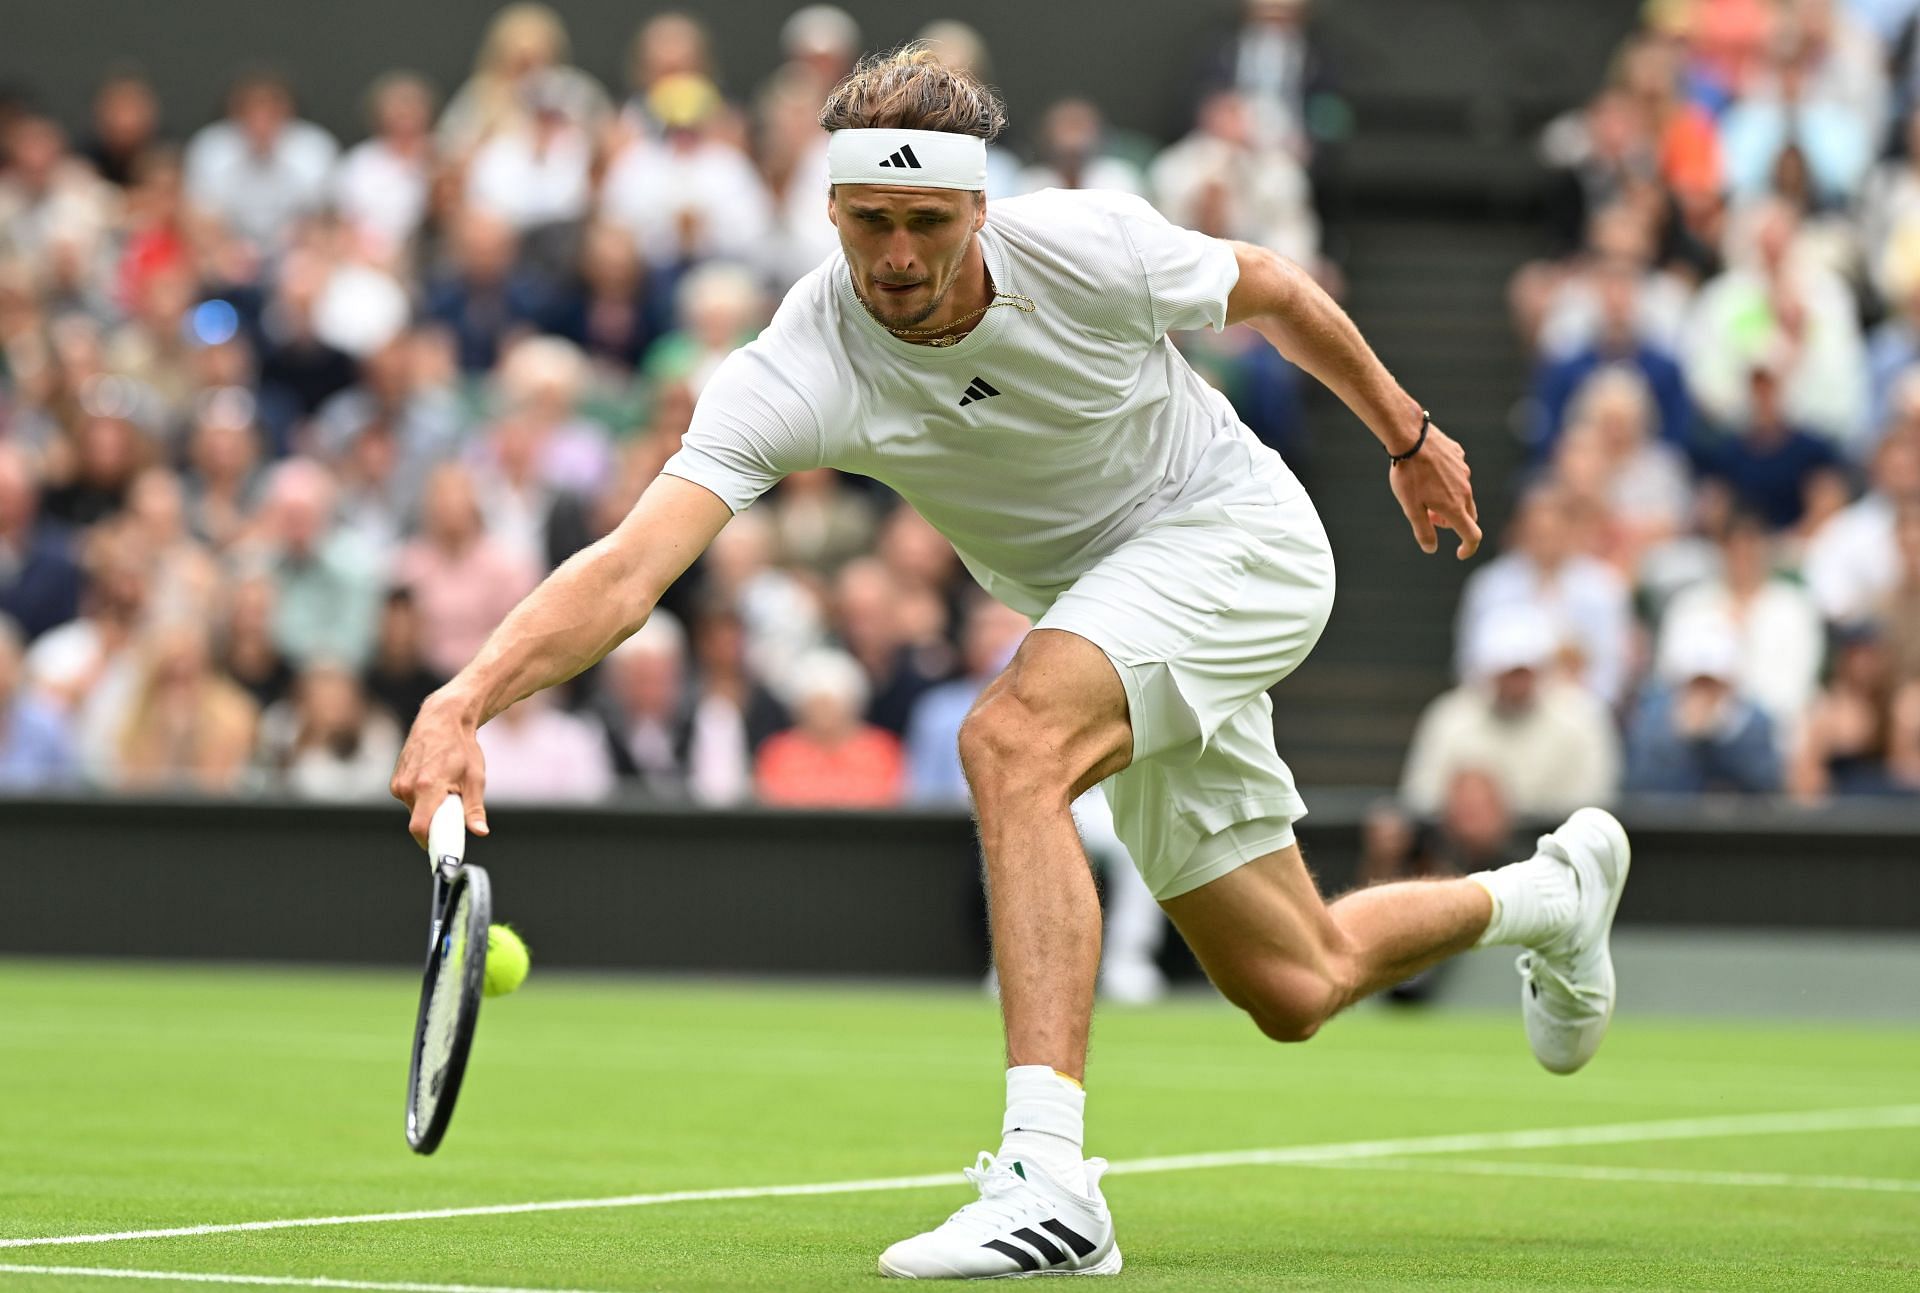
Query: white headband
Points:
[922, 159]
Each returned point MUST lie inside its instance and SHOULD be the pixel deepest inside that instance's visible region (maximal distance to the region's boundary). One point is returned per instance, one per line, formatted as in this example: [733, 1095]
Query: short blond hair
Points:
[911, 89]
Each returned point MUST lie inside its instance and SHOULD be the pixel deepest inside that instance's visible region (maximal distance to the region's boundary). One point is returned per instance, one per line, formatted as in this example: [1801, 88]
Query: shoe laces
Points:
[1004, 1196]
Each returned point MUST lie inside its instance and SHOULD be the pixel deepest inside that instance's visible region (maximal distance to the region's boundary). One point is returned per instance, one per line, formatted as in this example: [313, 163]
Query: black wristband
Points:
[1426, 420]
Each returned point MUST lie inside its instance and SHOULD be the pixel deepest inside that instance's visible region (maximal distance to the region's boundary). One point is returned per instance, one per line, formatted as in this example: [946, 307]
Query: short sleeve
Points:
[749, 430]
[1189, 275]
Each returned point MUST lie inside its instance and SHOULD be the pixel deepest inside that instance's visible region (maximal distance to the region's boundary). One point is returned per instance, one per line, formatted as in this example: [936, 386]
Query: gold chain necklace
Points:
[937, 337]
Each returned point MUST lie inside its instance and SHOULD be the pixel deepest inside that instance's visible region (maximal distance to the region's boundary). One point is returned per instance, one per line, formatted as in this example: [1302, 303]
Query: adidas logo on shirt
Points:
[904, 159]
[977, 389]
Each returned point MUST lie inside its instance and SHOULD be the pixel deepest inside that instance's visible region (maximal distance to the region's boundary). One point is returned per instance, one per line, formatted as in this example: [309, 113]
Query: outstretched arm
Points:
[1280, 301]
[591, 604]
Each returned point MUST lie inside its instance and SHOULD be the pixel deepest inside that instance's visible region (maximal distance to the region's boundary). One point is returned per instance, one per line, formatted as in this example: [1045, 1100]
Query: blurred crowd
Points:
[289, 422]
[1711, 581]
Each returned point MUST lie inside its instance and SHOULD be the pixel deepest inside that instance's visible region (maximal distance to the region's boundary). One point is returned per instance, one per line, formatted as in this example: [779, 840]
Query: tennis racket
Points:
[451, 986]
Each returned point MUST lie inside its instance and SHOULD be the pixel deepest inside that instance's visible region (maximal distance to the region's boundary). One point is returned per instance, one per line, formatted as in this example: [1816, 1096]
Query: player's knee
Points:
[1293, 1006]
[1000, 746]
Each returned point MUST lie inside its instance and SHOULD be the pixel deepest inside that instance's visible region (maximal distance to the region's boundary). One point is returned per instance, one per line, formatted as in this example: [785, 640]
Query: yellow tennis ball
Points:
[507, 960]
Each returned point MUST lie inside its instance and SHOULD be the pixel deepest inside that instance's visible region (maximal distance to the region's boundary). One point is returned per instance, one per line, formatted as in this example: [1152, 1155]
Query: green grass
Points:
[137, 1097]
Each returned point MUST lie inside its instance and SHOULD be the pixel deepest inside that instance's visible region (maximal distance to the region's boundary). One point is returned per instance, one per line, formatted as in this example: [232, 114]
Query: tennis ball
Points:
[507, 960]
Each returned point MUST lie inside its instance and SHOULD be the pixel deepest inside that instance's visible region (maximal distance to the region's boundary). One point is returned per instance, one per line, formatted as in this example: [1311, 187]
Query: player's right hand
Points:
[1434, 488]
[441, 757]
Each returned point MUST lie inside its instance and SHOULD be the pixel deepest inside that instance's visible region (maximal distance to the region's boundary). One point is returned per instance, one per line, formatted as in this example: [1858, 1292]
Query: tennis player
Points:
[1008, 372]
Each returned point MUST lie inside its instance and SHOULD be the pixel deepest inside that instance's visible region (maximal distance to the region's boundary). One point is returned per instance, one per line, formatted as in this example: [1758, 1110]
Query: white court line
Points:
[1619, 1133]
[278, 1281]
[1632, 1175]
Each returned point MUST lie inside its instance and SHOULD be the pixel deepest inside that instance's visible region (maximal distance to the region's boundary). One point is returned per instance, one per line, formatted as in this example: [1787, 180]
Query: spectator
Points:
[666, 45]
[36, 749]
[462, 580]
[733, 713]
[1698, 730]
[50, 199]
[483, 298]
[223, 482]
[1900, 612]
[831, 759]
[1222, 179]
[615, 308]
[1770, 462]
[1862, 734]
[820, 522]
[249, 654]
[385, 434]
[108, 453]
[1778, 307]
[1893, 356]
[867, 603]
[934, 775]
[260, 169]
[397, 676]
[189, 727]
[539, 754]
[1273, 62]
[793, 158]
[39, 578]
[824, 39]
[1583, 599]
[1852, 562]
[1795, 109]
[300, 367]
[692, 194]
[381, 188]
[536, 174]
[328, 743]
[1070, 153]
[126, 127]
[1547, 742]
[718, 308]
[643, 705]
[1640, 483]
[1618, 345]
[1777, 636]
[326, 584]
[523, 41]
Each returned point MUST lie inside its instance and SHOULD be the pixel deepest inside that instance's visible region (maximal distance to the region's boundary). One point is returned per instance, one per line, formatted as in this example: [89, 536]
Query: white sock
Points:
[1532, 901]
[1045, 1123]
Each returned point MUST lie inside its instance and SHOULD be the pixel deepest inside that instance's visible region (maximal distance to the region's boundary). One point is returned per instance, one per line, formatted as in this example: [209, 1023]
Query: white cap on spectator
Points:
[1701, 647]
[829, 673]
[1513, 637]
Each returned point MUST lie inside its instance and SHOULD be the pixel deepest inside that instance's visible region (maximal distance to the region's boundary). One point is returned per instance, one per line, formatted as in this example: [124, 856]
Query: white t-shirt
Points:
[1041, 441]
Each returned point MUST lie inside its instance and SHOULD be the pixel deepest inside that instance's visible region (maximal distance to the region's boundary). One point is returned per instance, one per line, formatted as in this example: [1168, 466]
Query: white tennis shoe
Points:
[1024, 1223]
[1567, 986]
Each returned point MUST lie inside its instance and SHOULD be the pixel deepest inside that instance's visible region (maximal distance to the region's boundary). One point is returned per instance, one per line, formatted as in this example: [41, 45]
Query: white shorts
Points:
[1200, 614]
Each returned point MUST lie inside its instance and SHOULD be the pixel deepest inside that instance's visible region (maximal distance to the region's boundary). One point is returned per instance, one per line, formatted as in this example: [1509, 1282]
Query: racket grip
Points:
[447, 833]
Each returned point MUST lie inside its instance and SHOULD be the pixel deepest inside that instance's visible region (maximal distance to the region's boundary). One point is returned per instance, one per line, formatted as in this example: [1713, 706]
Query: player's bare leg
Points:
[1277, 951]
[1050, 726]
[1054, 723]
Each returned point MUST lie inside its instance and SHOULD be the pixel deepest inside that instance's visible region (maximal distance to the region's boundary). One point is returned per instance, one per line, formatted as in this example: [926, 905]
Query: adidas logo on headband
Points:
[920, 159]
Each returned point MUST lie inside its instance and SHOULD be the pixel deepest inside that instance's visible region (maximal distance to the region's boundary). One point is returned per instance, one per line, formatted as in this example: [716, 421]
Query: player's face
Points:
[905, 246]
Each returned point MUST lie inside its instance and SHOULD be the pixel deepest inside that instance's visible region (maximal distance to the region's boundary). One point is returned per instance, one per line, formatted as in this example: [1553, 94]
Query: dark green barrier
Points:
[830, 894]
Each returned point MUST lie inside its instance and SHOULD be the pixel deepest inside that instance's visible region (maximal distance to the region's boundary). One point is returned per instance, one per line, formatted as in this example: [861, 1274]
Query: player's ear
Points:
[833, 207]
[979, 211]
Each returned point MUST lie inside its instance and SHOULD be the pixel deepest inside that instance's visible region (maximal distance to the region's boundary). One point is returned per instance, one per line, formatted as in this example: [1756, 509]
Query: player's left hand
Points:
[1435, 490]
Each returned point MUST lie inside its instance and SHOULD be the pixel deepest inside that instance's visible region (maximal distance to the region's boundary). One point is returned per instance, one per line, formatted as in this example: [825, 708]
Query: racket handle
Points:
[447, 835]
